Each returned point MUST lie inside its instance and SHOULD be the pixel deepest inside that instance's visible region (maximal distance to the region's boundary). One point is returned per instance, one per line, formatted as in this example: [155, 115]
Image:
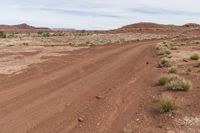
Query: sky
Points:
[98, 14]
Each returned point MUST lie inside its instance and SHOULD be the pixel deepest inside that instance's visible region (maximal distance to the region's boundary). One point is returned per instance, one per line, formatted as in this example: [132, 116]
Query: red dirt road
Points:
[97, 90]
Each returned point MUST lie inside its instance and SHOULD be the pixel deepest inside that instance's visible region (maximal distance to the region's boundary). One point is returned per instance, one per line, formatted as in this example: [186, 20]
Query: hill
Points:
[22, 28]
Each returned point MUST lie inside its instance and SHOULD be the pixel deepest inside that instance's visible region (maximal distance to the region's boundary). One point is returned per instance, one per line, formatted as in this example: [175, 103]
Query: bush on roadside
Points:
[179, 85]
[164, 79]
[2, 34]
[43, 34]
[167, 103]
[194, 57]
[165, 62]
[173, 70]
[162, 49]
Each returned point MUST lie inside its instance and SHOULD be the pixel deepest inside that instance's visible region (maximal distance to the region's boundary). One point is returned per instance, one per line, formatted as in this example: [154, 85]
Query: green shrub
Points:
[164, 79]
[167, 103]
[2, 34]
[194, 57]
[179, 85]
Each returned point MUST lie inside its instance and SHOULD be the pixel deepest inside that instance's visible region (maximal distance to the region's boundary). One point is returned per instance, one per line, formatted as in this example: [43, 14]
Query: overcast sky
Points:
[98, 14]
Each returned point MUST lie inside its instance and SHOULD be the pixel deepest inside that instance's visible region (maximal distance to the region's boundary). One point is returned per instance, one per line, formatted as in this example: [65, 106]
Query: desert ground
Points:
[141, 78]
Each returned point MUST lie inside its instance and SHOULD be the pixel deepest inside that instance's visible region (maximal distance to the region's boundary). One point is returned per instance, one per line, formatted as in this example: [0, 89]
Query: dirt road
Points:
[97, 90]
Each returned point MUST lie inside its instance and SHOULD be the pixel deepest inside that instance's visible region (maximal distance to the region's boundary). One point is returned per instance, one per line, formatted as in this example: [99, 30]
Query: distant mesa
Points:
[142, 27]
[145, 25]
[22, 28]
[148, 27]
[191, 25]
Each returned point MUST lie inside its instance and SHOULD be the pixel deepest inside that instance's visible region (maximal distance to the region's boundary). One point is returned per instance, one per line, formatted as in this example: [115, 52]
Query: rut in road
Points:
[49, 98]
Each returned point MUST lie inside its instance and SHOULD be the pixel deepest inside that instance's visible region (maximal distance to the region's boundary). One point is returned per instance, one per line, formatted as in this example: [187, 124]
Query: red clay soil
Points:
[98, 90]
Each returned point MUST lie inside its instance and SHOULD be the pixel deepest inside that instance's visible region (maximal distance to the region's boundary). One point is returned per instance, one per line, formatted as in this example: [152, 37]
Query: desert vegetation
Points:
[194, 57]
[165, 62]
[2, 34]
[172, 81]
[69, 68]
[167, 103]
[179, 84]
[172, 69]
[43, 34]
[163, 49]
[175, 82]
[164, 79]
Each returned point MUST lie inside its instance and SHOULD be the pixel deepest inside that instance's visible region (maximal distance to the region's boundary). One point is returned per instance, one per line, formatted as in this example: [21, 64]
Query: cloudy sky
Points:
[98, 14]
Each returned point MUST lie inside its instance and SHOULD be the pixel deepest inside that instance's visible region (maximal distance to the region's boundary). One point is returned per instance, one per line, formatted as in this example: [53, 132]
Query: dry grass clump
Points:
[43, 34]
[163, 49]
[165, 62]
[167, 103]
[173, 70]
[179, 84]
[175, 82]
[194, 57]
[164, 79]
[2, 34]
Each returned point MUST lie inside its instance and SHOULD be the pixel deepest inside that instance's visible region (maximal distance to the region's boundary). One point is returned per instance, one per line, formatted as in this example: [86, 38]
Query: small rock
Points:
[185, 60]
[99, 97]
[137, 119]
[147, 62]
[80, 119]
[170, 114]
